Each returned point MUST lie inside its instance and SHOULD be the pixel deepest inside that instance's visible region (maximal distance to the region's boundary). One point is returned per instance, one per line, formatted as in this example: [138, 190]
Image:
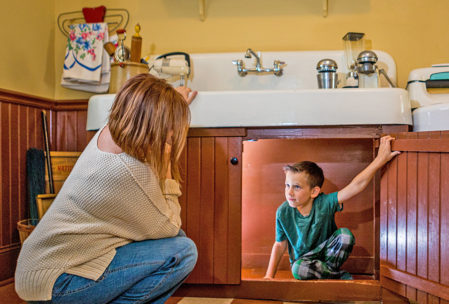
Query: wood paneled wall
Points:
[414, 220]
[70, 133]
[21, 129]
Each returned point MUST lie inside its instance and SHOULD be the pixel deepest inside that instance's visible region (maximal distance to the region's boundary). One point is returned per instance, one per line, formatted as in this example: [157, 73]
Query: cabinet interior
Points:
[263, 191]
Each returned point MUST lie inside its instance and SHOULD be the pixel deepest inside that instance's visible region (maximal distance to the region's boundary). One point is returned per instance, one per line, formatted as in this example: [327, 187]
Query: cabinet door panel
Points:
[414, 218]
[234, 249]
[212, 202]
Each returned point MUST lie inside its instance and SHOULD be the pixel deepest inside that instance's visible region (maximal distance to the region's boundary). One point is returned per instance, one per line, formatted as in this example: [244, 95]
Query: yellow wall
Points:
[27, 47]
[414, 32]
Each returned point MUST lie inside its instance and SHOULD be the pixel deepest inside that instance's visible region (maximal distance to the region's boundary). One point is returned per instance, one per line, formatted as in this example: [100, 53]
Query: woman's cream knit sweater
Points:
[108, 201]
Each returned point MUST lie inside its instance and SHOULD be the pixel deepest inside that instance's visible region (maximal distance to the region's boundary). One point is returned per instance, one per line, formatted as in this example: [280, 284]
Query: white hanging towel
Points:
[86, 63]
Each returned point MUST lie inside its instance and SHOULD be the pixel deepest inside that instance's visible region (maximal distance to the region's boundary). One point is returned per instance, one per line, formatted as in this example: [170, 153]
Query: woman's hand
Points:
[187, 93]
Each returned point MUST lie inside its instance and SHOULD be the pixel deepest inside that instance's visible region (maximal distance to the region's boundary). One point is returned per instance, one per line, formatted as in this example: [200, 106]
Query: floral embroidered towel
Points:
[84, 56]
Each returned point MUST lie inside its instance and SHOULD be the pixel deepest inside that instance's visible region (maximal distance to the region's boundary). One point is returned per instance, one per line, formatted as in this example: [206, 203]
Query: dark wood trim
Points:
[217, 132]
[26, 99]
[421, 145]
[71, 105]
[42, 102]
[7, 282]
[335, 132]
[394, 297]
[388, 129]
[252, 133]
[414, 281]
[289, 290]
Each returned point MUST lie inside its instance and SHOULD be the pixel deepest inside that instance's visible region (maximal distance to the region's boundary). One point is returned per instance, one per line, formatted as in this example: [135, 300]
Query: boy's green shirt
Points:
[305, 233]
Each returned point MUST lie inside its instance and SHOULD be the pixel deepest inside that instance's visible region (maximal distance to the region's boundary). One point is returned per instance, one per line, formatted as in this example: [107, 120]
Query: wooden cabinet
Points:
[212, 193]
[414, 218]
[211, 203]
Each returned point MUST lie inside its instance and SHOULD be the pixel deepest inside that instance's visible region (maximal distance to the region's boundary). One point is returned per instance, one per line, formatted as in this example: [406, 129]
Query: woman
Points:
[112, 235]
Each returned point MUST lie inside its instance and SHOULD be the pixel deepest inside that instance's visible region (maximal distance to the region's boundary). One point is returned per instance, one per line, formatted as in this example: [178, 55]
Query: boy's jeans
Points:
[324, 262]
[141, 272]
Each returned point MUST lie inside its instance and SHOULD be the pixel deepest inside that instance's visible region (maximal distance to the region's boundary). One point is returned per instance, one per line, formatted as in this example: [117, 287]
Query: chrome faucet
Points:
[250, 52]
[242, 71]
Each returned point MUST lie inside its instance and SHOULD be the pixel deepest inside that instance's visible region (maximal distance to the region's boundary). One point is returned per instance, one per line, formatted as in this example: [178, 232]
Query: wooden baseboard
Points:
[7, 282]
[8, 259]
[406, 279]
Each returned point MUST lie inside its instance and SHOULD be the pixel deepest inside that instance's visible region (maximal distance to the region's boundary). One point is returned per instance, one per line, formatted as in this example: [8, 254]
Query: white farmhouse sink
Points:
[227, 100]
[284, 108]
[301, 108]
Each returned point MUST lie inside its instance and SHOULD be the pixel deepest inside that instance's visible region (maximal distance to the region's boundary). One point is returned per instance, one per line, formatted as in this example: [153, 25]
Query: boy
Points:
[305, 222]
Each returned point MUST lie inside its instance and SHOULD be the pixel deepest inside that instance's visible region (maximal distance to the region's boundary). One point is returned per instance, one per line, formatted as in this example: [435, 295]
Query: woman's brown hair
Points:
[144, 112]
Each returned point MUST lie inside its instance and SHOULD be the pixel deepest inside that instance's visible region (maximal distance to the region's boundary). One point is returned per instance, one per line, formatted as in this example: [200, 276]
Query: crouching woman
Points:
[112, 234]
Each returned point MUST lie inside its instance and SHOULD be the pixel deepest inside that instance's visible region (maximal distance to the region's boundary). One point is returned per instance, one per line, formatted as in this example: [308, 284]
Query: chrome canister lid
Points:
[326, 65]
[367, 56]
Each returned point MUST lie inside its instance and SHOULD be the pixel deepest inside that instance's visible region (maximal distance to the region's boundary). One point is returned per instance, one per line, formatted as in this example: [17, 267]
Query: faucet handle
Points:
[240, 67]
[277, 62]
[277, 71]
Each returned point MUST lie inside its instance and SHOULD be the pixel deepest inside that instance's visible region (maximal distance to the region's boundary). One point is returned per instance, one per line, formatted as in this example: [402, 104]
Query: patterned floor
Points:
[177, 300]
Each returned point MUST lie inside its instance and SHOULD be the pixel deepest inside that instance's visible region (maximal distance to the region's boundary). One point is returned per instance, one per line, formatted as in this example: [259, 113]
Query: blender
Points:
[354, 44]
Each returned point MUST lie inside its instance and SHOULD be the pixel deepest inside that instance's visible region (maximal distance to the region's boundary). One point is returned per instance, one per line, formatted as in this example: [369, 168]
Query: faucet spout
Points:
[250, 52]
[277, 69]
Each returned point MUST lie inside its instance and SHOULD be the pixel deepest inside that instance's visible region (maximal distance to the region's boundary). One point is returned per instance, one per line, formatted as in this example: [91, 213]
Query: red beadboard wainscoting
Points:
[21, 129]
[414, 201]
[414, 218]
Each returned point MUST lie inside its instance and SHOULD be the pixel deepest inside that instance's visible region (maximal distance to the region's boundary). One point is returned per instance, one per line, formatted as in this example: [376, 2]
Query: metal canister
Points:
[366, 62]
[327, 74]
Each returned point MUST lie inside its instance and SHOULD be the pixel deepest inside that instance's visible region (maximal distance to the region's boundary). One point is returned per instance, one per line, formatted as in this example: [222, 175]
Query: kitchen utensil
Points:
[110, 48]
[122, 52]
[171, 65]
[136, 45]
[327, 74]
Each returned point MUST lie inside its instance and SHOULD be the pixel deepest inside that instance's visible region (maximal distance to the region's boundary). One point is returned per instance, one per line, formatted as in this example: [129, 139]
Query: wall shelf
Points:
[202, 9]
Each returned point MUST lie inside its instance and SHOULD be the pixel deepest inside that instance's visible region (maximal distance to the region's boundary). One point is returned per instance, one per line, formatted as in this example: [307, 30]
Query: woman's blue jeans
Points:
[141, 272]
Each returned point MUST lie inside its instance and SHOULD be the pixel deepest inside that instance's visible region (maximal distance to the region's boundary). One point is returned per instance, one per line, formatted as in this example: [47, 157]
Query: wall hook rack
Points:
[202, 9]
[115, 18]
[325, 8]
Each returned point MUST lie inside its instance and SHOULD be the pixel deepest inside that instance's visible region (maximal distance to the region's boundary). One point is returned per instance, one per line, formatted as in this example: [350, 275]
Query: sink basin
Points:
[284, 108]
[227, 100]
[301, 108]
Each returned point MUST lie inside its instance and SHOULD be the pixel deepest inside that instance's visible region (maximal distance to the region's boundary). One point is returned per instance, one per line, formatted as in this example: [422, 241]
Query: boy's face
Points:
[298, 191]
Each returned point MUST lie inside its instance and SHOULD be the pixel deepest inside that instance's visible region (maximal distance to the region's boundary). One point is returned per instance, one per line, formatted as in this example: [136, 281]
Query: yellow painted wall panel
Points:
[27, 47]
[414, 32]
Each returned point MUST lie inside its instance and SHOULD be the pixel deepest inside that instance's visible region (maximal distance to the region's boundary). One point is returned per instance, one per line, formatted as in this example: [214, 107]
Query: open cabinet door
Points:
[414, 218]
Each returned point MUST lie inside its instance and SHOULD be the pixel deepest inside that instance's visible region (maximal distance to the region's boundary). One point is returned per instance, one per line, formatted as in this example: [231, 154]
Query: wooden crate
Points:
[62, 163]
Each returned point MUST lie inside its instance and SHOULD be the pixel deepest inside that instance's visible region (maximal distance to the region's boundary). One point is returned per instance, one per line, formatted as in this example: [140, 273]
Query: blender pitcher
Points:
[354, 44]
